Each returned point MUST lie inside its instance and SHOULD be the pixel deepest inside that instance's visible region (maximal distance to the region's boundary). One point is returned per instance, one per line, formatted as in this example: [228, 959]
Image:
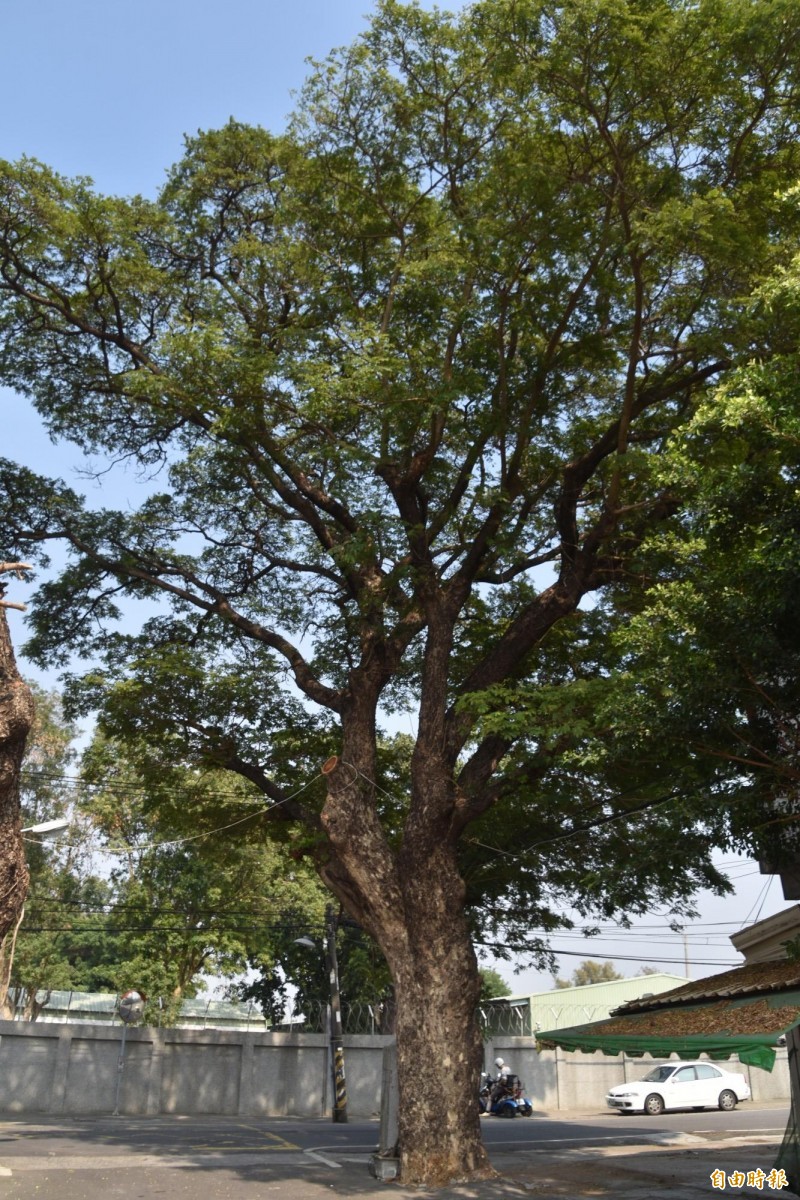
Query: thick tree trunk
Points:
[413, 905]
[16, 718]
[410, 897]
[439, 1055]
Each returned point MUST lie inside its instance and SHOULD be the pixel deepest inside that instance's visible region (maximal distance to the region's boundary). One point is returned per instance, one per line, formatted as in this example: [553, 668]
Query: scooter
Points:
[503, 1097]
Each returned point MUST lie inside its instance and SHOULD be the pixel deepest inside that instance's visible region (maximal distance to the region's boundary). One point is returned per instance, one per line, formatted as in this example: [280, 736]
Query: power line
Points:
[694, 962]
[117, 931]
[606, 931]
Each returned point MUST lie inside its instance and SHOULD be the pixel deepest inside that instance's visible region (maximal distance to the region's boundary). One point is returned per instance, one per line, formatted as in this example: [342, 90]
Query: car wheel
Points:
[727, 1101]
[654, 1105]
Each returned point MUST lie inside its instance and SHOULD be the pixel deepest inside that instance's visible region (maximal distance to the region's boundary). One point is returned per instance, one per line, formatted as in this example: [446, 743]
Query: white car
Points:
[680, 1085]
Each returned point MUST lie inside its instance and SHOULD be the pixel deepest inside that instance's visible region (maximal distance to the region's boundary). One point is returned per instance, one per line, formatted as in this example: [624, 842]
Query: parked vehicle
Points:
[504, 1097]
[674, 1085]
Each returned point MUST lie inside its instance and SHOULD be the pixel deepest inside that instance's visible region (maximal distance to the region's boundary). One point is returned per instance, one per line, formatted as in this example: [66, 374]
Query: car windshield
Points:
[658, 1074]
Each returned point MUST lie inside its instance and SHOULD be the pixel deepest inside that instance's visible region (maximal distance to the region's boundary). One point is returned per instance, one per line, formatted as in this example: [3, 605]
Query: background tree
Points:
[589, 972]
[63, 943]
[194, 889]
[293, 981]
[493, 986]
[408, 373]
[706, 675]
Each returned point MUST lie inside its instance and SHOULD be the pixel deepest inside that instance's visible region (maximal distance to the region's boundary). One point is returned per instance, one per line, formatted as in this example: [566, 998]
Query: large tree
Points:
[404, 375]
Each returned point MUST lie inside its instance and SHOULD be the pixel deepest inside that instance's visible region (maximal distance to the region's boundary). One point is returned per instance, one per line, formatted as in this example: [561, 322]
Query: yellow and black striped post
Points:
[337, 1047]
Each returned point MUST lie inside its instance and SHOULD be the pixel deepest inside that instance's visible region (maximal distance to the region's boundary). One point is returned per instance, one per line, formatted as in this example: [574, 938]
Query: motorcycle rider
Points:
[501, 1079]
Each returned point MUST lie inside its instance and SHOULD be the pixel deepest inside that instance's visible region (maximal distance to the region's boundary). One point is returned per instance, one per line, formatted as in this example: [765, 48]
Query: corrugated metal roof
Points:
[98, 1007]
[601, 993]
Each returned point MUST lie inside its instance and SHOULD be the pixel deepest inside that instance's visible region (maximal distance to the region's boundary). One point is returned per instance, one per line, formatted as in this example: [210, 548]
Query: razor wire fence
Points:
[361, 1017]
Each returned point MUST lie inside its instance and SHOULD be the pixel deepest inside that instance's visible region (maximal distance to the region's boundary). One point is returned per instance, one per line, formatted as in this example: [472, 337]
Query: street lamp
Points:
[335, 1009]
[48, 829]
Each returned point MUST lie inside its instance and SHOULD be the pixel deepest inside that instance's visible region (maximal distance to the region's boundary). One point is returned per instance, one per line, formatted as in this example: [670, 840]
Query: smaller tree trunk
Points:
[16, 718]
[7, 947]
[35, 1001]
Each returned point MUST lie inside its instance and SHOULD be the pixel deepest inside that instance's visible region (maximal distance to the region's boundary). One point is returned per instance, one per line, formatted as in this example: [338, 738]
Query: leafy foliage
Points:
[706, 675]
[589, 972]
[493, 986]
[195, 891]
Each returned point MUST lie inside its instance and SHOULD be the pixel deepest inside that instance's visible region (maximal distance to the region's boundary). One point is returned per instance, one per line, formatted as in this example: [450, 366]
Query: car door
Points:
[710, 1084]
[681, 1090]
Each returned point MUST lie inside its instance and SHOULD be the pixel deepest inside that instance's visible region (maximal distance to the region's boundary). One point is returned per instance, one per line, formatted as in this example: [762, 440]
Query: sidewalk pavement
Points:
[682, 1169]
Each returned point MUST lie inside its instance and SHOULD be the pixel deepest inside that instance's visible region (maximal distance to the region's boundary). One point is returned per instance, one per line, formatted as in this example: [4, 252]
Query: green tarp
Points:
[719, 1028]
[755, 1049]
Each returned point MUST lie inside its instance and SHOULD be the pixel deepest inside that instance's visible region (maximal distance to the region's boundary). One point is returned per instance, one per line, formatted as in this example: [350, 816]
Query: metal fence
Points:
[495, 1019]
[102, 1008]
[356, 1018]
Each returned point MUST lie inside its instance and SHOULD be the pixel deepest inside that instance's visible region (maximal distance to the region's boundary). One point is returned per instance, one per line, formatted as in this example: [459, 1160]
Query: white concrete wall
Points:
[558, 1080]
[73, 1069]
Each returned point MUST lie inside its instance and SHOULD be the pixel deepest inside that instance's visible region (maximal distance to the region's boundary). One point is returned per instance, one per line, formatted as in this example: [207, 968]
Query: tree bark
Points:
[411, 900]
[439, 1054]
[16, 718]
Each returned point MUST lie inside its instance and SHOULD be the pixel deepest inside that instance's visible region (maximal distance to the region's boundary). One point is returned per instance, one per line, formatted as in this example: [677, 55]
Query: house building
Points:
[746, 1011]
[556, 1008]
[769, 940]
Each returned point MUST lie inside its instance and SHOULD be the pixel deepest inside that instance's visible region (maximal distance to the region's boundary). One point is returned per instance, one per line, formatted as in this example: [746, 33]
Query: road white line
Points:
[756, 1130]
[760, 1129]
[584, 1141]
[329, 1162]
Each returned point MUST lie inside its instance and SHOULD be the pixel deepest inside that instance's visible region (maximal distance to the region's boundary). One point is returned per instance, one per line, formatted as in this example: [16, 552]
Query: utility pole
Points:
[337, 1046]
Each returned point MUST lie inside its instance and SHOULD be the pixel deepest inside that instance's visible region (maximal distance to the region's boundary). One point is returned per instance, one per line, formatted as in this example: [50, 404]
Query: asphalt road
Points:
[599, 1128]
[243, 1158]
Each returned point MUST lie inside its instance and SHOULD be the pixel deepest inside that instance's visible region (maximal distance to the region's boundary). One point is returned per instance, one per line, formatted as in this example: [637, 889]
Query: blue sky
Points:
[109, 91]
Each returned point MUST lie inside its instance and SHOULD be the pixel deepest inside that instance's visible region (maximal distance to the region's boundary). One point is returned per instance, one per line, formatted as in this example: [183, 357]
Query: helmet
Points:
[498, 1062]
